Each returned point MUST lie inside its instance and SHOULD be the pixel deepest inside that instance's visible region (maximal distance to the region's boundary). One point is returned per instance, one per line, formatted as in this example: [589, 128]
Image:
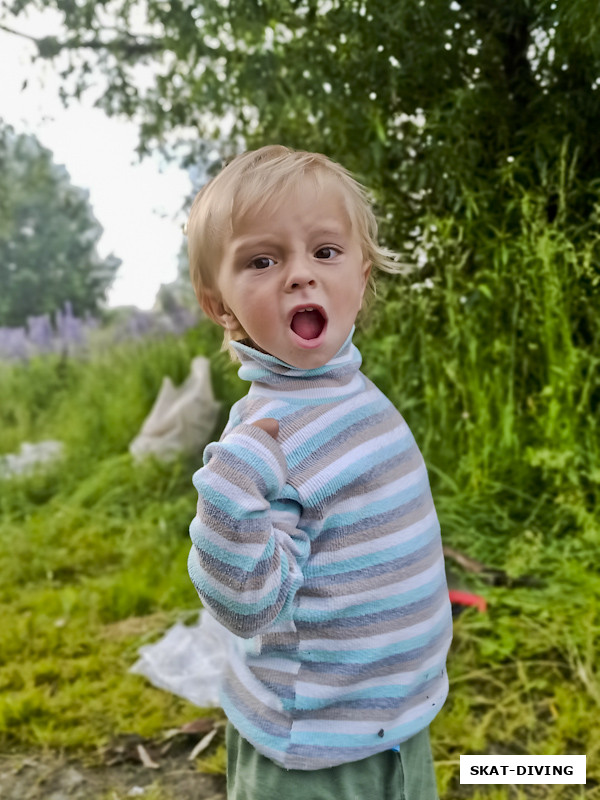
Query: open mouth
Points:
[308, 323]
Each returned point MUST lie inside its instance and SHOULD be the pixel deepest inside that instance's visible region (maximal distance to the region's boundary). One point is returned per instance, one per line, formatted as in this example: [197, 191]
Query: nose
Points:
[300, 273]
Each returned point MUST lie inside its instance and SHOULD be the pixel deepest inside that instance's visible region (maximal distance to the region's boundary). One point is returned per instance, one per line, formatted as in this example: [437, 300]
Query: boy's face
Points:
[301, 254]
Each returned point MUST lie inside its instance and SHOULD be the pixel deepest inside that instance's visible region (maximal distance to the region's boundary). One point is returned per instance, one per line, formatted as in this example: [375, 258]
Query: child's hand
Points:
[270, 425]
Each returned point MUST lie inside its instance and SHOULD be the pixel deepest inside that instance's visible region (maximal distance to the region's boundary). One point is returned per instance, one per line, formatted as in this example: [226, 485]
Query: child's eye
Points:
[327, 252]
[262, 262]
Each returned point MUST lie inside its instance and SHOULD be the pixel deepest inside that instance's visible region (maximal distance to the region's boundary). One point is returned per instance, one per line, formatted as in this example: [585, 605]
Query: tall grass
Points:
[497, 365]
[96, 402]
[492, 355]
[93, 550]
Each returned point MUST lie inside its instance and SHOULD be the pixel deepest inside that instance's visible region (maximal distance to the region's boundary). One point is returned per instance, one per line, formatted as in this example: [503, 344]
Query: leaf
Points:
[145, 758]
[49, 46]
[203, 744]
[199, 725]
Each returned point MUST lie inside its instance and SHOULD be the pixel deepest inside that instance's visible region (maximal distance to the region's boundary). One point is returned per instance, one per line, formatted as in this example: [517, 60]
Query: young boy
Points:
[316, 541]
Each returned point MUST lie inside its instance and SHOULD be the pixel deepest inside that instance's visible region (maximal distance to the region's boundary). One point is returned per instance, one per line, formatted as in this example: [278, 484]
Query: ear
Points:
[366, 271]
[213, 307]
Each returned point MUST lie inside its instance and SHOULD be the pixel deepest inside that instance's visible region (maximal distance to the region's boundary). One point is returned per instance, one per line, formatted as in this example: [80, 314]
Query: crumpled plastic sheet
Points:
[182, 418]
[30, 457]
[189, 660]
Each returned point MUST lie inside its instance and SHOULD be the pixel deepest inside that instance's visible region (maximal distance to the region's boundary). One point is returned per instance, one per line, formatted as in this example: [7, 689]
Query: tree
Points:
[48, 236]
[423, 100]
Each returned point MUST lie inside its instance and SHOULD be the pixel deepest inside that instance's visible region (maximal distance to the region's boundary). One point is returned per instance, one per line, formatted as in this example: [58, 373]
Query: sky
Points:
[137, 204]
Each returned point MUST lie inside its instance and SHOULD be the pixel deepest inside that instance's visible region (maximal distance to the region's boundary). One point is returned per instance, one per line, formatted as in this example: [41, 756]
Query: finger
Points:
[269, 425]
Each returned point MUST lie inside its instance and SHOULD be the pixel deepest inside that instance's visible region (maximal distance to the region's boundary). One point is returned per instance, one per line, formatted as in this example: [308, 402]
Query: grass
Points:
[93, 555]
[93, 551]
[88, 581]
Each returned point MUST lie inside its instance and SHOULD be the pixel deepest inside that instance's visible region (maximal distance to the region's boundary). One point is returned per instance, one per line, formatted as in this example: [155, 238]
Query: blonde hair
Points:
[255, 180]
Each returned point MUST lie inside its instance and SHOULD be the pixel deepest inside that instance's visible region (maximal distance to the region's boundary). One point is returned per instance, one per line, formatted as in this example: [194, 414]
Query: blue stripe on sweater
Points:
[228, 505]
[239, 560]
[395, 502]
[308, 615]
[378, 697]
[360, 740]
[380, 557]
[337, 432]
[370, 654]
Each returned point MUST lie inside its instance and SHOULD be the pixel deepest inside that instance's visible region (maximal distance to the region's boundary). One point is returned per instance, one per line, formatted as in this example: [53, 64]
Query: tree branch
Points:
[17, 33]
[126, 43]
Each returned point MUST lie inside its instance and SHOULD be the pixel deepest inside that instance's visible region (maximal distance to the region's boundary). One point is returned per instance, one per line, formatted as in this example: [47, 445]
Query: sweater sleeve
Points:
[247, 554]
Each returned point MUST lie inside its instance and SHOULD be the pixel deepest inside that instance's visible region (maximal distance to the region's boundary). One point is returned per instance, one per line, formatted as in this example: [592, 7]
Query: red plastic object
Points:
[458, 598]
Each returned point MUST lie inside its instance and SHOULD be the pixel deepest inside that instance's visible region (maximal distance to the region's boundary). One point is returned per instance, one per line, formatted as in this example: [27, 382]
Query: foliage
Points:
[70, 334]
[93, 550]
[48, 237]
[423, 100]
[53, 397]
[180, 292]
[498, 347]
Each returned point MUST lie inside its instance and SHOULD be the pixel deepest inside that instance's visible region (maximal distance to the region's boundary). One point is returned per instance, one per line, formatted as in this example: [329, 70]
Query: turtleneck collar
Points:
[338, 378]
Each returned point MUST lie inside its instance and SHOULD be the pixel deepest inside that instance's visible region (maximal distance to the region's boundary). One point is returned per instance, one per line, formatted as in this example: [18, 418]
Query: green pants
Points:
[407, 775]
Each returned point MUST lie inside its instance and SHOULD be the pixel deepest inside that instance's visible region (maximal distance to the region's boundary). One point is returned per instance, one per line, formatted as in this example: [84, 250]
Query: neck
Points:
[335, 379]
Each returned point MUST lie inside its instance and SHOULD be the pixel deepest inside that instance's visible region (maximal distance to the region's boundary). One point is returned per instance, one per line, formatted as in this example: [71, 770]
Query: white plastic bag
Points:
[189, 660]
[182, 418]
[30, 457]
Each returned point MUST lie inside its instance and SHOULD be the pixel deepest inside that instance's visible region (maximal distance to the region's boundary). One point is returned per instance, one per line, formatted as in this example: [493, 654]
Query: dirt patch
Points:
[54, 777]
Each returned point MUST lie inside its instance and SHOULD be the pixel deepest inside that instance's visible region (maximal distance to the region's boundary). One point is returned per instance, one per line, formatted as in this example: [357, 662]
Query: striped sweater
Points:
[321, 552]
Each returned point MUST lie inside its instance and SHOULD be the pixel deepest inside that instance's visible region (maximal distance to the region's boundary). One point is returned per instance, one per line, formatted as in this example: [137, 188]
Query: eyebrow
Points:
[330, 229]
[254, 240]
[335, 232]
[248, 243]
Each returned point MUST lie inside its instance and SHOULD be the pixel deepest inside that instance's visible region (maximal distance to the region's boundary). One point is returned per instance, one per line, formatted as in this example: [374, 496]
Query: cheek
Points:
[257, 313]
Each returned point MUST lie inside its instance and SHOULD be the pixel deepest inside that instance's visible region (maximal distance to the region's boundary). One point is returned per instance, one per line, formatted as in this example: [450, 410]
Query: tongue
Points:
[307, 324]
